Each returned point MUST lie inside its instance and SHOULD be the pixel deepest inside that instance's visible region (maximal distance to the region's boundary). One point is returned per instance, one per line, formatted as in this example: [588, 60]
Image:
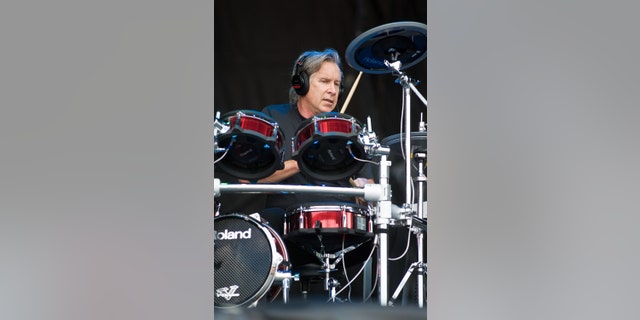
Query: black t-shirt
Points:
[289, 120]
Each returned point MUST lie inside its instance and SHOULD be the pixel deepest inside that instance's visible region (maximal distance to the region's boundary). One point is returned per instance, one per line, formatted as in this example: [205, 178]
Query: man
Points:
[316, 83]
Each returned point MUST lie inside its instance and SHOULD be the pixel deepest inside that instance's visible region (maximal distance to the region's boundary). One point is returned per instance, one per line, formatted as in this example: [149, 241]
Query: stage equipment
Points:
[249, 257]
[328, 146]
[392, 48]
[332, 221]
[248, 144]
[346, 220]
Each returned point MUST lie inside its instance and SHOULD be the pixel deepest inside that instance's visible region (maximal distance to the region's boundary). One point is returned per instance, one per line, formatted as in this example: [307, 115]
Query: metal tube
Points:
[420, 238]
[382, 220]
[418, 94]
[407, 145]
[370, 192]
[422, 179]
[384, 268]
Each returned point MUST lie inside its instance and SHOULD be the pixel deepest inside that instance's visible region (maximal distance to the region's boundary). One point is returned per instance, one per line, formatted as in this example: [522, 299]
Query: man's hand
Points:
[359, 183]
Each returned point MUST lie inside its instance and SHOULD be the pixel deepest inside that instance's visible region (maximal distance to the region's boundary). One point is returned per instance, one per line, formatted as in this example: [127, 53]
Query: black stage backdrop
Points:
[257, 43]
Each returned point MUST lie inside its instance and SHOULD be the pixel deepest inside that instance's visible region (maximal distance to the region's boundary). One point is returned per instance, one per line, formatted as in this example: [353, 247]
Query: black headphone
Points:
[300, 79]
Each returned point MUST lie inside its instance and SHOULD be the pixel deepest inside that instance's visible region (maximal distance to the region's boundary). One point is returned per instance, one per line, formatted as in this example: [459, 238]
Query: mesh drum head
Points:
[244, 260]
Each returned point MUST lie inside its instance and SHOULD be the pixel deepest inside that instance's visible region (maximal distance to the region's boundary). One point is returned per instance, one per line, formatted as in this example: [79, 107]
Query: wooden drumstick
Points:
[353, 88]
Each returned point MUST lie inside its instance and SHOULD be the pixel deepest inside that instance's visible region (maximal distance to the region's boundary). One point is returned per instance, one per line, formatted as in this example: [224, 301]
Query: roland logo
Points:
[232, 235]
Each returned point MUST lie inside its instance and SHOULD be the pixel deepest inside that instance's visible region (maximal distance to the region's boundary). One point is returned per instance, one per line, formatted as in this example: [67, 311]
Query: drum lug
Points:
[301, 220]
[239, 116]
[344, 217]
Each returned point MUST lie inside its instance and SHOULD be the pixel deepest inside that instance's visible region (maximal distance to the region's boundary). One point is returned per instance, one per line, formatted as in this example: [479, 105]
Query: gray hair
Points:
[311, 61]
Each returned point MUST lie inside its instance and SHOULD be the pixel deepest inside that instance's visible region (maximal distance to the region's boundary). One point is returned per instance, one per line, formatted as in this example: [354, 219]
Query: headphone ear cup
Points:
[300, 83]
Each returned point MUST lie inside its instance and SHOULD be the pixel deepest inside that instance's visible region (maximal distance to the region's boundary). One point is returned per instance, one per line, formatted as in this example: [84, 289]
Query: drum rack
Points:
[380, 193]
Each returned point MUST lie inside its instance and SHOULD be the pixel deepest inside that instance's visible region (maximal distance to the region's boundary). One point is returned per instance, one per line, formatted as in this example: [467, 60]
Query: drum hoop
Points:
[354, 123]
[311, 130]
[276, 134]
[278, 240]
[262, 291]
[353, 208]
[329, 116]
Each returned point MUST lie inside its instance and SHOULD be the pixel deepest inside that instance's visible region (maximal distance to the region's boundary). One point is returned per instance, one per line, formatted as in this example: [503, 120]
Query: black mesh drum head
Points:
[245, 260]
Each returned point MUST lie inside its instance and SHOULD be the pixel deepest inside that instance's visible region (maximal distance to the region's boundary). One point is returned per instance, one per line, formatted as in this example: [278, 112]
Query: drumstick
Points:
[353, 88]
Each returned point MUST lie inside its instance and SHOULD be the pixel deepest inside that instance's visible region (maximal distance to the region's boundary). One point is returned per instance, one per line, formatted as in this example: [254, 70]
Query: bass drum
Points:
[247, 256]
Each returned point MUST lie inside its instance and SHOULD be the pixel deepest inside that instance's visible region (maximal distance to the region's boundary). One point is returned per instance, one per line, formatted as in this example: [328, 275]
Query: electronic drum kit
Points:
[251, 259]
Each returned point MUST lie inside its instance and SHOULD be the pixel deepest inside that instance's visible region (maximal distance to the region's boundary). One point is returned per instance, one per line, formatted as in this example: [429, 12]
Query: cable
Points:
[375, 245]
[406, 249]
[344, 268]
[225, 151]
[361, 160]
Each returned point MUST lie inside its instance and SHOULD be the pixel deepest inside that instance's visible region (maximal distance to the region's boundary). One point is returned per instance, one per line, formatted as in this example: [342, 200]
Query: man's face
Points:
[324, 87]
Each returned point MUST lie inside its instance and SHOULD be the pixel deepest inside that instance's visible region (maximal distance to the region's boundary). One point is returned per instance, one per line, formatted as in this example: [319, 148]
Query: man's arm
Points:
[290, 168]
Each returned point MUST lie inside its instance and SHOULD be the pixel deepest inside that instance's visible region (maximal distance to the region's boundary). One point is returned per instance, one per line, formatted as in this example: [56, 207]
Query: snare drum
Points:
[326, 146]
[247, 257]
[335, 222]
[253, 144]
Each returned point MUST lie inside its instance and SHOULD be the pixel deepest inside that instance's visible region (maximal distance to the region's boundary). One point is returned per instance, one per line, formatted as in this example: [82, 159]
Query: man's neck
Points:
[304, 112]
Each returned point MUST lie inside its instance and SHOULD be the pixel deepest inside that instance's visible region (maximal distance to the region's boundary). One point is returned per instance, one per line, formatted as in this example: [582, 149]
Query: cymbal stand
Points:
[407, 87]
[421, 158]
